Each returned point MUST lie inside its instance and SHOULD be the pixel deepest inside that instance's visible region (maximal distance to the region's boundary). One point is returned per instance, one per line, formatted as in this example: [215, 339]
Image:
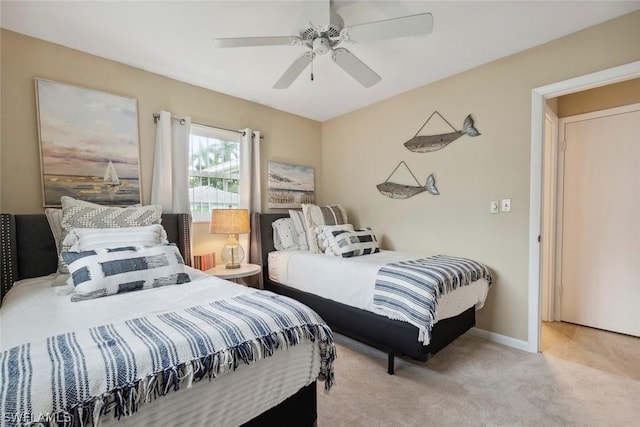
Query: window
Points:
[214, 170]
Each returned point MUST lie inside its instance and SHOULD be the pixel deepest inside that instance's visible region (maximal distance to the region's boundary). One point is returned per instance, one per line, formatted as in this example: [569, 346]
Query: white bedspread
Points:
[351, 281]
[33, 310]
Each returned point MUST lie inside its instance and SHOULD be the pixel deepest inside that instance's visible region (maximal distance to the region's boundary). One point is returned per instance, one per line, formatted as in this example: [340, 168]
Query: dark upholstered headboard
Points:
[262, 238]
[27, 248]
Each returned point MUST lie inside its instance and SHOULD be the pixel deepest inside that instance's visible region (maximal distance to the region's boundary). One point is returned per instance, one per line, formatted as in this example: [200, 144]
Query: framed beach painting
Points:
[89, 144]
[290, 185]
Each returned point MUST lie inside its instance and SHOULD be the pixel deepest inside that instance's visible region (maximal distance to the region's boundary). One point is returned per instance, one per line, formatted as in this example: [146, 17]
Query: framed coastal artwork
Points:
[290, 185]
[89, 144]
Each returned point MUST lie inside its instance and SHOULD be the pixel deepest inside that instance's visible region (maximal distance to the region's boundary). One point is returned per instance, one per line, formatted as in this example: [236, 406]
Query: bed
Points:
[248, 395]
[395, 337]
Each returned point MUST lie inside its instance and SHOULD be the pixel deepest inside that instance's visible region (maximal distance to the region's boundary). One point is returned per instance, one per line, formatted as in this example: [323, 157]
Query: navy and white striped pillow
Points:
[315, 216]
[109, 271]
[353, 243]
[324, 233]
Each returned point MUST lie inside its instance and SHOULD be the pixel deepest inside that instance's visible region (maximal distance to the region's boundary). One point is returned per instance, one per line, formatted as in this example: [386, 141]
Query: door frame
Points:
[538, 104]
[549, 205]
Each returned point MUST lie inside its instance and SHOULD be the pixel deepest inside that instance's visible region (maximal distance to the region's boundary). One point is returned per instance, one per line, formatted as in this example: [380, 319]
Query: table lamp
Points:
[231, 222]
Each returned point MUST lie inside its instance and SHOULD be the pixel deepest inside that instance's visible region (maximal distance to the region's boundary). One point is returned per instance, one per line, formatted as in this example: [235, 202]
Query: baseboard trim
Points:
[499, 339]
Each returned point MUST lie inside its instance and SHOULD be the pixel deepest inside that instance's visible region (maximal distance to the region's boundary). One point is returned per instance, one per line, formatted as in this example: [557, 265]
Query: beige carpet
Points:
[607, 351]
[474, 382]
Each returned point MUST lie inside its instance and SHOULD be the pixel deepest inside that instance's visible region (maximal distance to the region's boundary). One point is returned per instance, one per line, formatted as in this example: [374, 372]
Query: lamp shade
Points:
[229, 221]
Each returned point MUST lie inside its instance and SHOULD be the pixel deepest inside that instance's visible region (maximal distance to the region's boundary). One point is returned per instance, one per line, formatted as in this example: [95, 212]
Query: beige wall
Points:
[353, 153]
[600, 98]
[24, 58]
[361, 149]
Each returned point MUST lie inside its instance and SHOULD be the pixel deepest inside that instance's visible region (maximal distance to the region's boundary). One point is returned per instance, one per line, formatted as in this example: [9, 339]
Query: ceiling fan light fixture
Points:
[321, 46]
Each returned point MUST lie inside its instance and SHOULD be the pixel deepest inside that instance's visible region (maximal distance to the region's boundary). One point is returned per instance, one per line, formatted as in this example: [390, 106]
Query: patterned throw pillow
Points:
[298, 222]
[285, 235]
[315, 216]
[81, 214]
[101, 272]
[353, 243]
[323, 232]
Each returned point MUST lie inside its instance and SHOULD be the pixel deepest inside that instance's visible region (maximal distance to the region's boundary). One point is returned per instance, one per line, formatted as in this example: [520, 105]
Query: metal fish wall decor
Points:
[401, 191]
[428, 143]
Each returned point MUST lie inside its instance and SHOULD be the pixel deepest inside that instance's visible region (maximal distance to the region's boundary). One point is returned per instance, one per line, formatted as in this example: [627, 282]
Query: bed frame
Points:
[391, 336]
[27, 249]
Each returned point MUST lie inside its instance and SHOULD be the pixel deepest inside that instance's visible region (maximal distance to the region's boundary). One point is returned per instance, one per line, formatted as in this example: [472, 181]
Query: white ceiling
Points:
[175, 39]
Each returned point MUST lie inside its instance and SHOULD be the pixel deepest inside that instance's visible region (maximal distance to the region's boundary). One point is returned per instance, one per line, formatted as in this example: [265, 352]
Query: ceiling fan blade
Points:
[355, 68]
[294, 70]
[412, 25]
[257, 41]
[317, 12]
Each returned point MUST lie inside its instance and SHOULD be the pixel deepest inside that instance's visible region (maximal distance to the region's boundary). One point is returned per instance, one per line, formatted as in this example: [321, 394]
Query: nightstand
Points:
[235, 274]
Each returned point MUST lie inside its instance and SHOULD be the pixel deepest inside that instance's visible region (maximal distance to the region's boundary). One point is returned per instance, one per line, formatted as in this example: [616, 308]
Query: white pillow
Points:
[315, 216]
[85, 239]
[285, 235]
[109, 271]
[298, 222]
[353, 243]
[324, 231]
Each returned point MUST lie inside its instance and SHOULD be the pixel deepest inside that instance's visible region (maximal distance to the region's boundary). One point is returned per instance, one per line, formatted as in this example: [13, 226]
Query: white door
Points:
[600, 270]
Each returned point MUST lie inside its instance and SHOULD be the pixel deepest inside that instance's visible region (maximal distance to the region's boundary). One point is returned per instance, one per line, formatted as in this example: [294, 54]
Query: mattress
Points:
[351, 281]
[35, 309]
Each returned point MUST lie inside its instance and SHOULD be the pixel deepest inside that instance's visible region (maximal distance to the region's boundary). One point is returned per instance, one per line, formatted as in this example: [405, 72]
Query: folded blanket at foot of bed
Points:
[409, 290]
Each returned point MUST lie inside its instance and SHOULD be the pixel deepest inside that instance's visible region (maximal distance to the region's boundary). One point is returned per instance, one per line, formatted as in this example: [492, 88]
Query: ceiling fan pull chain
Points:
[312, 58]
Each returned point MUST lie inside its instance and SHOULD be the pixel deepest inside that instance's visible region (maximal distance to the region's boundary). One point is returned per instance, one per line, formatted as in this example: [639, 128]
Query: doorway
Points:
[539, 97]
[597, 237]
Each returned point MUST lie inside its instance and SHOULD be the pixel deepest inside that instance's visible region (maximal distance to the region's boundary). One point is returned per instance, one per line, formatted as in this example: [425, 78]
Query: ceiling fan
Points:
[323, 31]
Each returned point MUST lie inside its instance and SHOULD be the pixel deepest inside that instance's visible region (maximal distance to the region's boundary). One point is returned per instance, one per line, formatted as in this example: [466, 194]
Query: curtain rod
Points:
[156, 117]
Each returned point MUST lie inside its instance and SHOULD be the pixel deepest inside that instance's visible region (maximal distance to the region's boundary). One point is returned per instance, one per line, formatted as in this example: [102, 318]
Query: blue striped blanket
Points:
[74, 378]
[409, 290]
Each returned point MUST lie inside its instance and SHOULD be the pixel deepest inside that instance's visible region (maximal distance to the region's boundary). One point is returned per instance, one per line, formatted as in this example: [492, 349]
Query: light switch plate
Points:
[493, 206]
[505, 205]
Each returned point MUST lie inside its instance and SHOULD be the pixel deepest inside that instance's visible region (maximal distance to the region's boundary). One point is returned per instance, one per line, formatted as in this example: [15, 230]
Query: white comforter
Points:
[34, 309]
[351, 281]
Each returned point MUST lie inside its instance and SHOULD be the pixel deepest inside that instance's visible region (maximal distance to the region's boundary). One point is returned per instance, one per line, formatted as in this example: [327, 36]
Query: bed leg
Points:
[390, 364]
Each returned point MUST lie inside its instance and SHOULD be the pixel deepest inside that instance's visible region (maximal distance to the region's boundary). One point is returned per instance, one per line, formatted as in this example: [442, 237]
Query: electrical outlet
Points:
[505, 206]
[493, 206]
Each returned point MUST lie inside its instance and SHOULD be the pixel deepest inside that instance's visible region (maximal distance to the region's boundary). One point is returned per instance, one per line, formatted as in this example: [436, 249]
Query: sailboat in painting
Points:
[111, 180]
